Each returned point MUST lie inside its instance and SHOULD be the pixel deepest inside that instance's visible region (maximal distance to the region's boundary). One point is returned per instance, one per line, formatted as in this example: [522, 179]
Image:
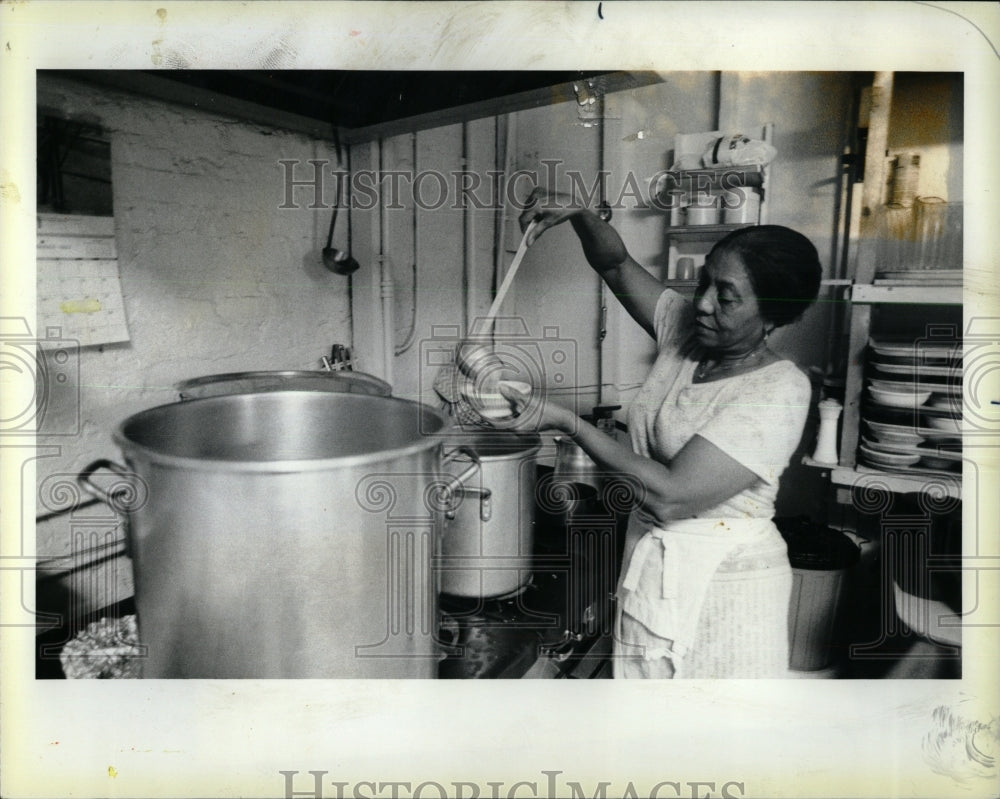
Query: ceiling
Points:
[360, 99]
[359, 105]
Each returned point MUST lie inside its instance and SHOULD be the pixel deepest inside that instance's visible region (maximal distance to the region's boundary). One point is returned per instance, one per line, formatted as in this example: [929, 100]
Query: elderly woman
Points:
[706, 582]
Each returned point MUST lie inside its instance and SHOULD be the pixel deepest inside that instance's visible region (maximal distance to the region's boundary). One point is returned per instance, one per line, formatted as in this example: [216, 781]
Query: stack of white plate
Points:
[903, 449]
[917, 360]
[926, 380]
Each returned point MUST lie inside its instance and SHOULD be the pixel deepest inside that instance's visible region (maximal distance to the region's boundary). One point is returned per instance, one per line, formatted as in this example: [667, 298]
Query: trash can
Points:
[820, 558]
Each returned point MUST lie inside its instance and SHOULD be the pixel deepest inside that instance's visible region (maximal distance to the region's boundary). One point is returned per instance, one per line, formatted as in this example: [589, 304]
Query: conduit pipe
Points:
[387, 292]
[469, 233]
[386, 283]
[411, 334]
[602, 294]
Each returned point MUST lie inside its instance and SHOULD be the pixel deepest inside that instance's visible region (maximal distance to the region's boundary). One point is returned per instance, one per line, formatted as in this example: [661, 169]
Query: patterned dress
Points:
[709, 596]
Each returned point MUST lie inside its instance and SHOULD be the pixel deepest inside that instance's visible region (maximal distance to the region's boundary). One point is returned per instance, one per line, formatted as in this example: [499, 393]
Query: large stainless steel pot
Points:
[343, 382]
[283, 534]
[486, 546]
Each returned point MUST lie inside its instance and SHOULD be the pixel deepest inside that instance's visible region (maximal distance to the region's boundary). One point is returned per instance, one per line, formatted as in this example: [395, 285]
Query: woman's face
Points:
[727, 315]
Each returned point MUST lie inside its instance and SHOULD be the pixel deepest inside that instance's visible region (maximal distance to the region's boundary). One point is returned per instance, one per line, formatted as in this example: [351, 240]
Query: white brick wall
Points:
[215, 277]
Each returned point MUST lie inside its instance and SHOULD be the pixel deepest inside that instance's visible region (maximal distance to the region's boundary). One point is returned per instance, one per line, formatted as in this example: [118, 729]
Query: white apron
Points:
[667, 575]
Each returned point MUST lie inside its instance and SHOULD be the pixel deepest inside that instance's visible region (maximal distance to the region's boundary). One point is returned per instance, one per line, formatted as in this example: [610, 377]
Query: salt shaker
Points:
[826, 439]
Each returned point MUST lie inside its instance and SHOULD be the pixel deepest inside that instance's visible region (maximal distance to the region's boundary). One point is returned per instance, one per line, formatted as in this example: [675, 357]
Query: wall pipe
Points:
[411, 334]
[602, 294]
[469, 234]
[387, 292]
[386, 284]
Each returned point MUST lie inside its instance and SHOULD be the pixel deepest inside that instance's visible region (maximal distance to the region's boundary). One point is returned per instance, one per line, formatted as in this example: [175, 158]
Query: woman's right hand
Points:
[546, 209]
[602, 246]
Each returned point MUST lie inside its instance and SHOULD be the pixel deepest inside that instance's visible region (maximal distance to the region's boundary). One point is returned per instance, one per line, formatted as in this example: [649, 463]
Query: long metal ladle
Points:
[336, 260]
[476, 358]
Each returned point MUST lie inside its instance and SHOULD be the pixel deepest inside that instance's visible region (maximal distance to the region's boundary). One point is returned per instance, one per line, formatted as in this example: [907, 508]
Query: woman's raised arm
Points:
[635, 288]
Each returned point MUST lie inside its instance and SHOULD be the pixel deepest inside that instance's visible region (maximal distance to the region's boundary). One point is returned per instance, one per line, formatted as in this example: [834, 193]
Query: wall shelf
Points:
[807, 461]
[714, 179]
[864, 293]
[862, 477]
[695, 241]
[705, 232]
[678, 285]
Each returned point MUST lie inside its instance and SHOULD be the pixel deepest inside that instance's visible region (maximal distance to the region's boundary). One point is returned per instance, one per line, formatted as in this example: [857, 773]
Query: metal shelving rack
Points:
[865, 293]
[699, 238]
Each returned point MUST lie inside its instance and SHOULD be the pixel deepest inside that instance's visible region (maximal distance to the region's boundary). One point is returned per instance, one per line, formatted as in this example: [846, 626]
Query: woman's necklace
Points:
[704, 369]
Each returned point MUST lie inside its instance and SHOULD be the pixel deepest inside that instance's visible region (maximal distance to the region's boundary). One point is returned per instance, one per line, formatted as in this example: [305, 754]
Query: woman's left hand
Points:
[533, 411]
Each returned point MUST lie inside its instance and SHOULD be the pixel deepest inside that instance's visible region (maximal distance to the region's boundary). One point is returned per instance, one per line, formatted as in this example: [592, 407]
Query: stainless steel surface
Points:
[477, 361]
[462, 483]
[344, 381]
[491, 556]
[285, 534]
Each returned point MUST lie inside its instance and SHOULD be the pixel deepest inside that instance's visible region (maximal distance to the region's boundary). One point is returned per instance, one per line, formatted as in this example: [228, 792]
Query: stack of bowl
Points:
[891, 445]
[911, 397]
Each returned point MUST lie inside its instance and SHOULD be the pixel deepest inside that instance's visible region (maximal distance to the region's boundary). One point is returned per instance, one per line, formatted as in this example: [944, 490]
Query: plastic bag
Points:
[735, 149]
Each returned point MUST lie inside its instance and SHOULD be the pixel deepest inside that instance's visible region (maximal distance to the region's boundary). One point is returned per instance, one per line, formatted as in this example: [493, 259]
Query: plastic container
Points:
[703, 209]
[905, 178]
[740, 205]
[820, 558]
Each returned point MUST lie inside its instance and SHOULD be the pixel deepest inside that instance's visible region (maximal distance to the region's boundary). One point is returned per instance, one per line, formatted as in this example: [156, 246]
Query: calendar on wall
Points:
[78, 282]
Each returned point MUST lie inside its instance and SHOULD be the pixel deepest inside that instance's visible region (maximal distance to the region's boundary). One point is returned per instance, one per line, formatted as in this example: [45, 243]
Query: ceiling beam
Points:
[497, 106]
[146, 85]
[151, 85]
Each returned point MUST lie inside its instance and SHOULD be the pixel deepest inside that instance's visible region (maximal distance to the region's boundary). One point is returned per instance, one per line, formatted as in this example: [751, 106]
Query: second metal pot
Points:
[342, 382]
[487, 543]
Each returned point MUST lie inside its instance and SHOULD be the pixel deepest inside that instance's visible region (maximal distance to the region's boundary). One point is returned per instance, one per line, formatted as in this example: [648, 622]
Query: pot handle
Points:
[456, 483]
[121, 500]
[118, 500]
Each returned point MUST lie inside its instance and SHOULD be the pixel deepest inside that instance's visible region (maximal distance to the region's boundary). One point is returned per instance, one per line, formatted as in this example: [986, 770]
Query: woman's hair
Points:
[783, 267]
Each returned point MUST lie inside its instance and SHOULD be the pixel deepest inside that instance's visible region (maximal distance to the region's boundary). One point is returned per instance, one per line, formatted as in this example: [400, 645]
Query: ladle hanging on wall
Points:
[337, 261]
